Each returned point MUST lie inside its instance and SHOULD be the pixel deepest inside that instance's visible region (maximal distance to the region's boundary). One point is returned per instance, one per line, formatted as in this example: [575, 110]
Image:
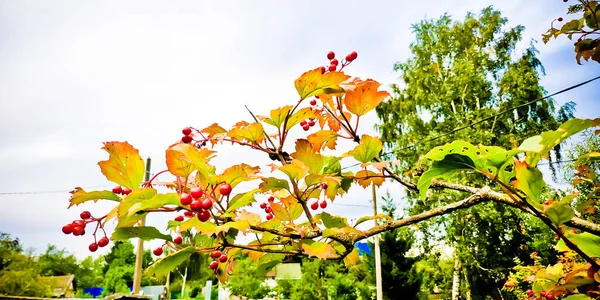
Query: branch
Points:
[290, 252]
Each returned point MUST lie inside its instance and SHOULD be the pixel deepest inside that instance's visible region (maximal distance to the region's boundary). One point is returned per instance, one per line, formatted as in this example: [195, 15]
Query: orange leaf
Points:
[183, 159]
[318, 249]
[323, 138]
[251, 132]
[366, 177]
[364, 97]
[251, 218]
[124, 165]
[304, 153]
[313, 83]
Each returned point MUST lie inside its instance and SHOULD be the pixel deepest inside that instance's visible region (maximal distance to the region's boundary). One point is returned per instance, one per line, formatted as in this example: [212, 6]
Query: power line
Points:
[46, 192]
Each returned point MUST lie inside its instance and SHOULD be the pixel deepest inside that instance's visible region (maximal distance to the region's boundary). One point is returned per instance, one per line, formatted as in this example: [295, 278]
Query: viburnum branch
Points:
[264, 133]
[266, 250]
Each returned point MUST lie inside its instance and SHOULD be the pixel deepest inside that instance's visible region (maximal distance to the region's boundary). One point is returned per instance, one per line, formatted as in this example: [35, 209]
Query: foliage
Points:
[55, 262]
[119, 266]
[246, 282]
[585, 27]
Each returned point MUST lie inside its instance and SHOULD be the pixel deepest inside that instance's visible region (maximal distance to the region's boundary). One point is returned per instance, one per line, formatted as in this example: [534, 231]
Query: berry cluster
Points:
[219, 257]
[77, 228]
[268, 209]
[200, 206]
[334, 63]
[543, 294]
[187, 135]
[306, 125]
[315, 205]
[119, 190]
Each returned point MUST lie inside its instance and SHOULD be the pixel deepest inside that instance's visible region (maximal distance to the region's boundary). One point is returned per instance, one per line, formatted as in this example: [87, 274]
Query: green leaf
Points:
[296, 211]
[241, 200]
[78, 196]
[264, 268]
[368, 218]
[530, 181]
[274, 184]
[443, 169]
[124, 166]
[571, 26]
[278, 115]
[577, 297]
[588, 158]
[137, 196]
[313, 83]
[343, 231]
[157, 201]
[367, 150]
[331, 165]
[165, 265]
[333, 221]
[587, 242]
[145, 233]
[559, 213]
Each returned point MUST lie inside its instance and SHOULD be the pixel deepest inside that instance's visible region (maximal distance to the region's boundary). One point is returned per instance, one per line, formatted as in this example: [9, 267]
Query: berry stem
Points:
[149, 182]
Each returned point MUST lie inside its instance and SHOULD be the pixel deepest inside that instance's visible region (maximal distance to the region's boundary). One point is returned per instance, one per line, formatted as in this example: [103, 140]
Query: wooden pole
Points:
[377, 251]
[137, 273]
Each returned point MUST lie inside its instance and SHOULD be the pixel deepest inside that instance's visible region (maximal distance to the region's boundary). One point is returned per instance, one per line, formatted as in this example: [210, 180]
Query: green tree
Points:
[462, 72]
[57, 262]
[89, 274]
[245, 281]
[119, 265]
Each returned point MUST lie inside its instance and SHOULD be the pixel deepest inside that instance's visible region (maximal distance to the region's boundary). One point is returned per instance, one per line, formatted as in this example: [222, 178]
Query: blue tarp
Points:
[95, 291]
[363, 248]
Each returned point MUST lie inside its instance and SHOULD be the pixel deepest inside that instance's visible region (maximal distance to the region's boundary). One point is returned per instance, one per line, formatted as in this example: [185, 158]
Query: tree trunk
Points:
[467, 285]
[456, 280]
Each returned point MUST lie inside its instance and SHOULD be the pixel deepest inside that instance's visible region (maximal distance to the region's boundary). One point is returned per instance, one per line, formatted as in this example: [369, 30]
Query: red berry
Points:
[306, 127]
[196, 205]
[303, 123]
[204, 215]
[332, 68]
[354, 55]
[79, 223]
[186, 139]
[560, 20]
[178, 240]
[179, 218]
[268, 209]
[223, 258]
[225, 189]
[314, 205]
[78, 230]
[206, 203]
[117, 190]
[271, 199]
[543, 293]
[550, 296]
[311, 123]
[574, 231]
[93, 247]
[323, 204]
[196, 192]
[334, 62]
[214, 265]
[313, 102]
[103, 242]
[185, 199]
[85, 215]
[158, 251]
[269, 216]
[529, 293]
[187, 131]
[188, 213]
[263, 205]
[322, 69]
[330, 55]
[557, 237]
[127, 191]
[216, 254]
[324, 185]
[67, 229]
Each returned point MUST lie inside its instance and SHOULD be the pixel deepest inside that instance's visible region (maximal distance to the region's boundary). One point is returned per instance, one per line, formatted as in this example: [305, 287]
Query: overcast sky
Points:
[76, 73]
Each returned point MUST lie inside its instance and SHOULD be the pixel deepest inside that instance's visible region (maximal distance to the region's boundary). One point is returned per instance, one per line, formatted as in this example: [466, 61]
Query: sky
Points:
[74, 74]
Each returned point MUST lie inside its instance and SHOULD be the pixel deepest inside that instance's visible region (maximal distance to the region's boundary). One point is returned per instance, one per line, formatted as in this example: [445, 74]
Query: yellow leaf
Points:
[350, 259]
[366, 177]
[278, 115]
[323, 138]
[251, 218]
[313, 83]
[296, 170]
[304, 153]
[182, 159]
[238, 173]
[364, 97]
[318, 249]
[124, 166]
[253, 132]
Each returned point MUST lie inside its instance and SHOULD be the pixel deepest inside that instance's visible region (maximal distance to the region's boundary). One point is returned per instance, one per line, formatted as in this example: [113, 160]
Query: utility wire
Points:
[46, 192]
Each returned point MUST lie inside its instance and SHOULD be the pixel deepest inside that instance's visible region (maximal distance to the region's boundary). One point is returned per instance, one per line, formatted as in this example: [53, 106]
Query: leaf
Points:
[183, 159]
[242, 226]
[331, 165]
[280, 212]
[251, 218]
[273, 184]
[323, 138]
[530, 181]
[145, 233]
[364, 97]
[304, 153]
[313, 83]
[78, 196]
[238, 173]
[165, 265]
[333, 221]
[264, 268]
[296, 170]
[278, 115]
[588, 158]
[587, 242]
[318, 249]
[241, 200]
[376, 217]
[137, 196]
[366, 178]
[450, 165]
[124, 166]
[570, 26]
[538, 146]
[299, 116]
[296, 211]
[206, 228]
[157, 201]
[253, 132]
[351, 258]
[343, 231]
[559, 213]
[367, 150]
[577, 297]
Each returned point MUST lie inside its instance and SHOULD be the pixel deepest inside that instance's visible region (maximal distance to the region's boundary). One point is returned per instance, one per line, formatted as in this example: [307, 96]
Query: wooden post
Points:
[137, 272]
[378, 282]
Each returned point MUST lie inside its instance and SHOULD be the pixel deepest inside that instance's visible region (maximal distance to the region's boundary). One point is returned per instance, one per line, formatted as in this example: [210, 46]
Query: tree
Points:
[246, 282]
[55, 262]
[292, 225]
[119, 266]
[448, 86]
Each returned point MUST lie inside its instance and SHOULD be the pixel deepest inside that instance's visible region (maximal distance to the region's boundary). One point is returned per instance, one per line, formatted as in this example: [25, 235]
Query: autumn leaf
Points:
[124, 166]
[252, 132]
[213, 130]
[530, 181]
[280, 212]
[299, 116]
[296, 170]
[343, 231]
[146, 233]
[273, 184]
[304, 153]
[78, 196]
[238, 173]
[351, 258]
[183, 159]
[278, 116]
[157, 201]
[241, 200]
[318, 249]
[323, 138]
[364, 97]
[313, 83]
[367, 177]
[167, 264]
[251, 218]
[368, 148]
